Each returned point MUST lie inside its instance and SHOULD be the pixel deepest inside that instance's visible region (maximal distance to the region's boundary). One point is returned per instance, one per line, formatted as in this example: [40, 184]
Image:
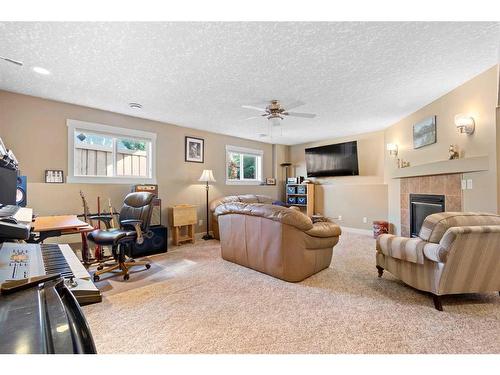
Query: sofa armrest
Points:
[433, 251]
[324, 229]
[454, 233]
[402, 248]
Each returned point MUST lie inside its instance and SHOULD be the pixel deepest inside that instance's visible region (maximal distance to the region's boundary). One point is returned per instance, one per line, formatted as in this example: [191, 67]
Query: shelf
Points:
[297, 194]
[465, 165]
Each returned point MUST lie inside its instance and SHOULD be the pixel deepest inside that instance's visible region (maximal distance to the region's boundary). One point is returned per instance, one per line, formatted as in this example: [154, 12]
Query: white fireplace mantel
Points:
[465, 165]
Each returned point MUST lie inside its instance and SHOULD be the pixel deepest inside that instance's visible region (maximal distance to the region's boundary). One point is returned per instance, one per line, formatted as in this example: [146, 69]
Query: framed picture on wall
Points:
[270, 181]
[424, 132]
[54, 176]
[194, 150]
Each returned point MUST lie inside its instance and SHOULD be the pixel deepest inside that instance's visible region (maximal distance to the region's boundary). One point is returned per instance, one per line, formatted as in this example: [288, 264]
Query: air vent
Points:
[135, 105]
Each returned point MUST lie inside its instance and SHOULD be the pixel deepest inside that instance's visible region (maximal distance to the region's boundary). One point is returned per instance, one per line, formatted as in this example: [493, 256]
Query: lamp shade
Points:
[392, 147]
[464, 123]
[207, 176]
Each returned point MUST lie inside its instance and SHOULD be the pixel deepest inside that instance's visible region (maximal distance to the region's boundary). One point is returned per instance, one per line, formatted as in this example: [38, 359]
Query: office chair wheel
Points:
[148, 266]
[96, 277]
[126, 277]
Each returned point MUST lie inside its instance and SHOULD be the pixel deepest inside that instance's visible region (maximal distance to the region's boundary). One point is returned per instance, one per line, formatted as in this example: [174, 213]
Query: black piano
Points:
[41, 289]
[41, 316]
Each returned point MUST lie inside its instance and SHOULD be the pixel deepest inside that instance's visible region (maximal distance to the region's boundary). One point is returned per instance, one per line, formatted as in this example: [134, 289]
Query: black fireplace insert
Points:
[421, 206]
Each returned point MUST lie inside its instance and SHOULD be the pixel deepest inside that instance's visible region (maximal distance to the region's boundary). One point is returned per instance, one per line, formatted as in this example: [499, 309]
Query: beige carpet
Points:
[191, 301]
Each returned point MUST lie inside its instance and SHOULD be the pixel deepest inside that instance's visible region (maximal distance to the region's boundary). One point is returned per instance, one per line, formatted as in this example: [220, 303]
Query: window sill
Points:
[242, 182]
[108, 180]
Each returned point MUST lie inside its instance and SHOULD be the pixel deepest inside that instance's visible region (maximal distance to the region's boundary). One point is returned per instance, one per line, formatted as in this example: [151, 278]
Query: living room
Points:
[251, 187]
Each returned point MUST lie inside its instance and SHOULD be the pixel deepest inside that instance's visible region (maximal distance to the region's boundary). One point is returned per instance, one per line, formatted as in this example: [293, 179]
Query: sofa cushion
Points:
[276, 213]
[404, 248]
[435, 225]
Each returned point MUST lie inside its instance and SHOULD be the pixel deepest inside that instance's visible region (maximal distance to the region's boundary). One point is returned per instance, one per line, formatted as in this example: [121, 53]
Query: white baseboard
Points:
[366, 232]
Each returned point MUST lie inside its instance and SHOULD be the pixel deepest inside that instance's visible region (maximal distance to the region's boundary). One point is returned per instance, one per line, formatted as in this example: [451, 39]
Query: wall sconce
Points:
[465, 124]
[393, 149]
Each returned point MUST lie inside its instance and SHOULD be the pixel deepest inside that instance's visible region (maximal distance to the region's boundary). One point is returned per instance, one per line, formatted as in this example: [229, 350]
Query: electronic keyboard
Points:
[22, 260]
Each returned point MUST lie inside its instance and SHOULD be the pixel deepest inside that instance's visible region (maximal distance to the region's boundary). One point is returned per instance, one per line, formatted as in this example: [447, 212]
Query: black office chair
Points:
[134, 219]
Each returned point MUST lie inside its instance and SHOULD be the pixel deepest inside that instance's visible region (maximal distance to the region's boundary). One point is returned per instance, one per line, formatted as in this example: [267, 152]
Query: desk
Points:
[56, 226]
[65, 222]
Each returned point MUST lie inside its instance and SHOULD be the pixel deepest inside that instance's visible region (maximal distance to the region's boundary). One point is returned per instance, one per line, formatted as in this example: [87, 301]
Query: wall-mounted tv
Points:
[340, 159]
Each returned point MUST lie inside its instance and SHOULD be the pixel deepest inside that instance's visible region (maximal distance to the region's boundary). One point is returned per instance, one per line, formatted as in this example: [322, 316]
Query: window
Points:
[105, 154]
[243, 165]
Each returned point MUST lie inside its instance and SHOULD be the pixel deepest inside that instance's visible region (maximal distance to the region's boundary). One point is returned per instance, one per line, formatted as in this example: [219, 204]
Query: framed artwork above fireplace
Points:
[424, 132]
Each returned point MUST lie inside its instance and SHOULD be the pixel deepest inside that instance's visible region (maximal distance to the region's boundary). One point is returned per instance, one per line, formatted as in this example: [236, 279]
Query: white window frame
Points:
[245, 151]
[112, 131]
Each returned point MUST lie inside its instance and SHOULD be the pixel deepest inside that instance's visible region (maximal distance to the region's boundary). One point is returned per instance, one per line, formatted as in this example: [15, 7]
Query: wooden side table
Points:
[184, 218]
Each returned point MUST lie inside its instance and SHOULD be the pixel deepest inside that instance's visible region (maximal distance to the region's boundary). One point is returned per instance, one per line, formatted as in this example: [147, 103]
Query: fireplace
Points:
[421, 206]
[447, 185]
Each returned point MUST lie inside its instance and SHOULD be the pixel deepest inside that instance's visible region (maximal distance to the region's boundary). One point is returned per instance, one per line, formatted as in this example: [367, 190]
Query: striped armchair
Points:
[455, 252]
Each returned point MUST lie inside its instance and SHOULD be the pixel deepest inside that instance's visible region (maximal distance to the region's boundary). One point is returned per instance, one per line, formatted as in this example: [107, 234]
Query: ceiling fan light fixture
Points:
[40, 70]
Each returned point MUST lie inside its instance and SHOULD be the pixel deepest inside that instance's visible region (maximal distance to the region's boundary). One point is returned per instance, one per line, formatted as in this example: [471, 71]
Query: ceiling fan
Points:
[275, 111]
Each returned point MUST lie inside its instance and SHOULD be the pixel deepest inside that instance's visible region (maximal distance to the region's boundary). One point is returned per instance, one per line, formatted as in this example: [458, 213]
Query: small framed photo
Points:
[54, 176]
[270, 181]
[194, 150]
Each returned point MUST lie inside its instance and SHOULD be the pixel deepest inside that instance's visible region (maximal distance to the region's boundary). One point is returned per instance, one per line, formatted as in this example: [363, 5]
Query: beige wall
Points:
[498, 156]
[498, 133]
[477, 97]
[35, 129]
[352, 197]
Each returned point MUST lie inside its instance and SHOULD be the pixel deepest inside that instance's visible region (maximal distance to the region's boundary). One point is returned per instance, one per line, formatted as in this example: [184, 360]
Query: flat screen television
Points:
[340, 159]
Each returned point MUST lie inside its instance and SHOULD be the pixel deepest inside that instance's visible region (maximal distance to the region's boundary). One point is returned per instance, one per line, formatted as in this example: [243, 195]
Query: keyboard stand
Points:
[46, 227]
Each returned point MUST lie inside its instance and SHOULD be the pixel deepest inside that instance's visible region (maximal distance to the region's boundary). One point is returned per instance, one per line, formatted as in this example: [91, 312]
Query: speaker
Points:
[21, 191]
[156, 214]
[155, 242]
[147, 188]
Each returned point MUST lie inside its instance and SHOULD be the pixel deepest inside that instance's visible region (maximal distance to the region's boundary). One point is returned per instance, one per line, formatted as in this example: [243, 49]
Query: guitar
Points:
[86, 215]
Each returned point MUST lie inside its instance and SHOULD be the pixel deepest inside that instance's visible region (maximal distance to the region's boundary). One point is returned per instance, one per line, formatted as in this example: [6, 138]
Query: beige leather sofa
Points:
[275, 240]
[247, 198]
[455, 252]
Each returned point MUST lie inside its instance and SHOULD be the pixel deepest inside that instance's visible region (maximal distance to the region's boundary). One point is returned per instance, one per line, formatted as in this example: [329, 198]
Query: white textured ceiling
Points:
[356, 77]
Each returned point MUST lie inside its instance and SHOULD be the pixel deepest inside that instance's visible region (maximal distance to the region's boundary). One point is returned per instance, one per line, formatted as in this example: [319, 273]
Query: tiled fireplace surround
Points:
[448, 185]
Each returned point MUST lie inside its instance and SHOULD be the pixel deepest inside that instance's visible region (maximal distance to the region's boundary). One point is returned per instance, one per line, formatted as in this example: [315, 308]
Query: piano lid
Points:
[41, 320]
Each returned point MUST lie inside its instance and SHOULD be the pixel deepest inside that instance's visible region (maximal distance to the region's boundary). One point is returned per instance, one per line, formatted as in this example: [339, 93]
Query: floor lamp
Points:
[207, 176]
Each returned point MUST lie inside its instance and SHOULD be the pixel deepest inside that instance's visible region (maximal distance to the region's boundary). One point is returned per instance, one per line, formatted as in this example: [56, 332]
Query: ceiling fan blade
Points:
[298, 114]
[292, 105]
[253, 107]
[251, 118]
